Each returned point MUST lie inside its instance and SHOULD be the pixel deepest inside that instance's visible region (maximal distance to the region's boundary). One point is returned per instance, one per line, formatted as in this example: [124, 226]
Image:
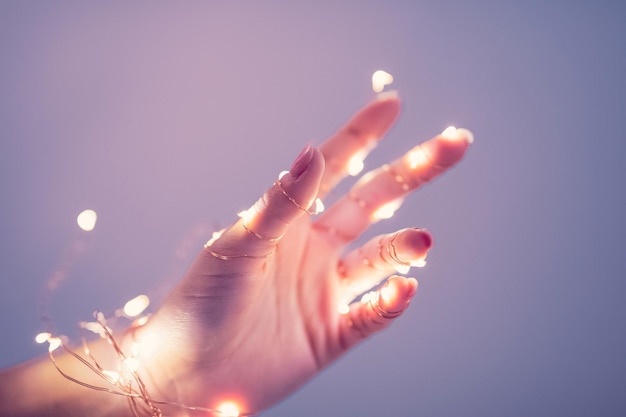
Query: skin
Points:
[252, 329]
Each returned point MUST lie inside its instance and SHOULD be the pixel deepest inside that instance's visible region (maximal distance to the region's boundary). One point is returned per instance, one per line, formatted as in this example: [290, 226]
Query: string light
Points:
[87, 220]
[228, 409]
[343, 308]
[380, 79]
[42, 337]
[386, 211]
[355, 165]
[136, 306]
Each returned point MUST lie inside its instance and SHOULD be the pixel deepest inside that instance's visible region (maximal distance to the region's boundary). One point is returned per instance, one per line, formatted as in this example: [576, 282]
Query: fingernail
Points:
[302, 162]
[427, 238]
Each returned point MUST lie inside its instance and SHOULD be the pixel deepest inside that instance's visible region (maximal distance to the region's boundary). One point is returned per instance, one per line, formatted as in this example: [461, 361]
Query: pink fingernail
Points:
[302, 162]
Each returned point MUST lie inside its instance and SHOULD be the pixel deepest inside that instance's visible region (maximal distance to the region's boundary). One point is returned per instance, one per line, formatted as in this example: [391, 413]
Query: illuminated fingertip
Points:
[87, 220]
[467, 134]
[450, 132]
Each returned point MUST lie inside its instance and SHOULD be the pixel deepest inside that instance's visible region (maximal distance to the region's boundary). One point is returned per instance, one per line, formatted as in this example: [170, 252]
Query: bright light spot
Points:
[55, 342]
[134, 349]
[402, 269]
[380, 79]
[388, 293]
[142, 321]
[365, 298]
[93, 327]
[386, 211]
[343, 308]
[42, 337]
[112, 376]
[355, 165]
[319, 206]
[136, 306]
[247, 215]
[282, 174]
[417, 157]
[87, 220]
[214, 237]
[420, 263]
[131, 364]
[228, 409]
[450, 133]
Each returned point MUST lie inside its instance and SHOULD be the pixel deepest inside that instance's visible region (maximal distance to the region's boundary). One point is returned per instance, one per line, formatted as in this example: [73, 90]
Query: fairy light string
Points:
[126, 380]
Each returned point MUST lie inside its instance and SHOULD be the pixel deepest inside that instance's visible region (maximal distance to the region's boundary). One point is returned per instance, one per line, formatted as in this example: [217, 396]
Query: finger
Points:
[376, 310]
[262, 226]
[365, 267]
[356, 139]
[380, 192]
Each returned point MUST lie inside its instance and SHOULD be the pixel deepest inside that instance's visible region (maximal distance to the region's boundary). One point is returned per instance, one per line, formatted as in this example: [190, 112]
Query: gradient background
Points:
[167, 119]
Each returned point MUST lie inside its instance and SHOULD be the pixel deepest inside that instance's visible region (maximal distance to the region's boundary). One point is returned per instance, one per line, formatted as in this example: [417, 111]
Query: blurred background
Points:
[169, 118]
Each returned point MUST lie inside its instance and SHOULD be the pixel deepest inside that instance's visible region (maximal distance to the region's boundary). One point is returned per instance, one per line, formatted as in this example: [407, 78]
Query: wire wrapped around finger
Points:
[376, 310]
[262, 226]
[379, 193]
[380, 257]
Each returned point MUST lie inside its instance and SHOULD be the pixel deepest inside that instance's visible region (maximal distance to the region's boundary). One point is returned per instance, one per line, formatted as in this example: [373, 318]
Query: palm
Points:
[258, 313]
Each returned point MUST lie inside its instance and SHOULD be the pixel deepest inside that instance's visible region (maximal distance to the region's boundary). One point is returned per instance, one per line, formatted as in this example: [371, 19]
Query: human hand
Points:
[258, 313]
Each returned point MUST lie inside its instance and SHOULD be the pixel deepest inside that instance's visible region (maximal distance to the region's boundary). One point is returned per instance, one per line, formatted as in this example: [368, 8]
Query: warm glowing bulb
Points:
[136, 306]
[402, 269]
[112, 376]
[420, 263]
[42, 337]
[131, 364]
[228, 409]
[386, 211]
[87, 220]
[343, 308]
[365, 298]
[388, 293]
[380, 79]
[450, 132]
[319, 206]
[355, 165]
[55, 342]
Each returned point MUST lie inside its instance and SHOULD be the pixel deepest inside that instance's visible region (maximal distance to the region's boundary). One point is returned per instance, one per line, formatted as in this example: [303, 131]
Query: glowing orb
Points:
[87, 220]
[228, 409]
[136, 306]
[380, 79]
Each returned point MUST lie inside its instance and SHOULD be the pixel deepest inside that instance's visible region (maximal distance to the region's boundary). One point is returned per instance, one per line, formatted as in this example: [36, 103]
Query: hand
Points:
[258, 313]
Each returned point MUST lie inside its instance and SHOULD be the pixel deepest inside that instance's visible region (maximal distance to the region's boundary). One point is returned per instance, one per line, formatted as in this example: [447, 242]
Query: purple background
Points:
[167, 119]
